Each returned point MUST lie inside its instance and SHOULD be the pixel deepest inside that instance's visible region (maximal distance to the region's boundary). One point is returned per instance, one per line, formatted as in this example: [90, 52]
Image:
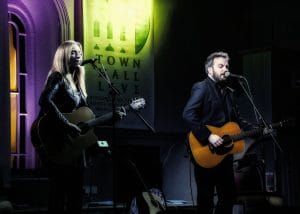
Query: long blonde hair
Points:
[61, 64]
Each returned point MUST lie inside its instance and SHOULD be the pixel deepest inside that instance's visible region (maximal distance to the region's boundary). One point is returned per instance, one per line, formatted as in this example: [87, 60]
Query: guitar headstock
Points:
[290, 122]
[138, 103]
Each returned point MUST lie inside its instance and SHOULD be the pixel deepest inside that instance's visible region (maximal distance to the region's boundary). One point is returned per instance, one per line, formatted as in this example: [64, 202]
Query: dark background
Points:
[263, 41]
[262, 38]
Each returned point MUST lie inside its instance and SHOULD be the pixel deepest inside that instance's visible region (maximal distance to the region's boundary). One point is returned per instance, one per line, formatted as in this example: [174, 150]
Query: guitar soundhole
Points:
[84, 127]
[227, 141]
[226, 147]
[154, 203]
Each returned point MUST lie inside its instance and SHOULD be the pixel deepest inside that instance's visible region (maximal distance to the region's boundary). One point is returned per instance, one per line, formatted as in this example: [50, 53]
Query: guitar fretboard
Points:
[253, 132]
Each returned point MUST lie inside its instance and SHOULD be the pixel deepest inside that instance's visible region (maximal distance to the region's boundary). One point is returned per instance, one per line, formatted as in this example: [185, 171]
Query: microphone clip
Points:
[88, 61]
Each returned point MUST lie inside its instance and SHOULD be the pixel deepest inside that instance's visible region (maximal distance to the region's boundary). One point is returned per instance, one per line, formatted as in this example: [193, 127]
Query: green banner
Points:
[119, 34]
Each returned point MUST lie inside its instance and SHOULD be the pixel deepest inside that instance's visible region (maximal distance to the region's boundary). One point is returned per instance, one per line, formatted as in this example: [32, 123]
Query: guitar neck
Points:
[102, 119]
[141, 179]
[135, 104]
[253, 132]
[245, 134]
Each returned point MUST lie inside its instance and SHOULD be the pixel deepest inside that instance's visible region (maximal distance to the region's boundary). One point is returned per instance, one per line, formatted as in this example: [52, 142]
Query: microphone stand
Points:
[269, 176]
[114, 93]
[256, 111]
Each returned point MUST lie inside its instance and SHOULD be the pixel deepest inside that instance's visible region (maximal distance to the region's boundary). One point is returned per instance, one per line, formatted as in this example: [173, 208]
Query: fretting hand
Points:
[267, 130]
[120, 112]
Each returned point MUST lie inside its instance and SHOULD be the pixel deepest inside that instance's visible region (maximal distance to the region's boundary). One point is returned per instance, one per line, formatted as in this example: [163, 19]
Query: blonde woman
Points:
[64, 93]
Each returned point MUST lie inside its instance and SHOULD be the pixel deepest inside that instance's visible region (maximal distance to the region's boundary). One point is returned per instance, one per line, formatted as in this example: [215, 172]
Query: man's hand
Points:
[267, 131]
[215, 140]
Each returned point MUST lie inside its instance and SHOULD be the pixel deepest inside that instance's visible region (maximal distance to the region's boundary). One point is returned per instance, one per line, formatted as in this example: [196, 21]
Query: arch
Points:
[63, 19]
[33, 43]
[25, 17]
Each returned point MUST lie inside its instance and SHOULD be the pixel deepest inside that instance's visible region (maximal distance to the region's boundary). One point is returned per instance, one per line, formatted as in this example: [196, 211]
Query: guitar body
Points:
[148, 202]
[61, 148]
[208, 156]
[153, 202]
[55, 145]
[203, 154]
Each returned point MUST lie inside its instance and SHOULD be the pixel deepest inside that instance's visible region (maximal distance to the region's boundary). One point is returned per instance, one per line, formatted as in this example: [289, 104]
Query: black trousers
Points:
[221, 178]
[66, 191]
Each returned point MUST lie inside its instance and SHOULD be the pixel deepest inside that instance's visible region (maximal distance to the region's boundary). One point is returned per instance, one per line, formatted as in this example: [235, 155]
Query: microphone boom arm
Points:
[104, 75]
[248, 94]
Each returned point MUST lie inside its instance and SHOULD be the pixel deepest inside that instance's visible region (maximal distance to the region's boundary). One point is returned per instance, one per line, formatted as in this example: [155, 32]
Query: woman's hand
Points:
[73, 130]
[120, 112]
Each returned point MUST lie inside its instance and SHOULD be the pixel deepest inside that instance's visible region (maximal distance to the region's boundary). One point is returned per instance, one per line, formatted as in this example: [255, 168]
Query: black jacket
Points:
[58, 97]
[208, 106]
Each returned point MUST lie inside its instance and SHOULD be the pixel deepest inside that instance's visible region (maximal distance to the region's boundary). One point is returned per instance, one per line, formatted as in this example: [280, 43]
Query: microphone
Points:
[87, 61]
[228, 74]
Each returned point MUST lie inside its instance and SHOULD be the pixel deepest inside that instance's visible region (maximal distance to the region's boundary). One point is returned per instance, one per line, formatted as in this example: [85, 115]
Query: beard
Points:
[218, 77]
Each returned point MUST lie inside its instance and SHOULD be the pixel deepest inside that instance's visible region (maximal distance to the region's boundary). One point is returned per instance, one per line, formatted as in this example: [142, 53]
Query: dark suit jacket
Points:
[207, 105]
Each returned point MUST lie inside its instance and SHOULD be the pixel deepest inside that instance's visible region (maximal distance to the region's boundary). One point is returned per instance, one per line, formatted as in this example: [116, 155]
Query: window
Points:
[18, 77]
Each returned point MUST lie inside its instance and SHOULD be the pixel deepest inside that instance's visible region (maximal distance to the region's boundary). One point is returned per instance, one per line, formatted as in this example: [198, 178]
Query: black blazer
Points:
[207, 105]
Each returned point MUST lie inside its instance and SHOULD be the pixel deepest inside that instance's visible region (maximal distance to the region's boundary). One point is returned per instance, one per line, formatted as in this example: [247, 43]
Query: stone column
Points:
[4, 97]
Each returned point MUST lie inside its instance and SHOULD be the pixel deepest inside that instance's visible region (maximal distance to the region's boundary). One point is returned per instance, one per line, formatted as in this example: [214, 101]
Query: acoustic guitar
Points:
[152, 200]
[209, 156]
[54, 144]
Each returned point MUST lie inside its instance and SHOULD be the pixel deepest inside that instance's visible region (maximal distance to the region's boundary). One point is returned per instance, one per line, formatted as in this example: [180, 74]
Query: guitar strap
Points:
[226, 97]
[234, 105]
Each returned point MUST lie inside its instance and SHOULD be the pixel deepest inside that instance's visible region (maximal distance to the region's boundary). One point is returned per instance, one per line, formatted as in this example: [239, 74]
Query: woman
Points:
[64, 92]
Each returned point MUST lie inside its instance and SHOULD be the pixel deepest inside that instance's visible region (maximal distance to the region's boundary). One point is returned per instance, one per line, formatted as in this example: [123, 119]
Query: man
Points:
[211, 103]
